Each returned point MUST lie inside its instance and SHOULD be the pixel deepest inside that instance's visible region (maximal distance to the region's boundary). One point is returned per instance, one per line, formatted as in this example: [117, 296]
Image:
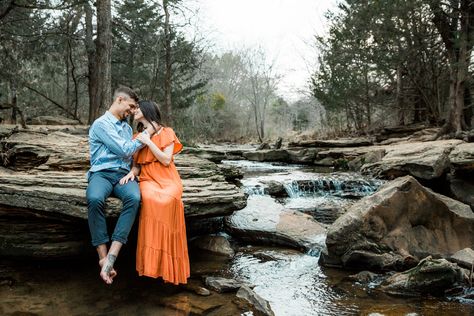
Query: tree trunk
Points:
[103, 56]
[167, 84]
[92, 71]
[367, 100]
[256, 122]
[457, 38]
[13, 102]
[468, 111]
[400, 105]
[14, 105]
[66, 59]
[74, 79]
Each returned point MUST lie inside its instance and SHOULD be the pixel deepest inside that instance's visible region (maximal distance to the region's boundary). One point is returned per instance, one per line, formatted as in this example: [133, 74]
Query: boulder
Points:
[215, 244]
[462, 190]
[273, 224]
[223, 285]
[370, 157]
[396, 227]
[363, 277]
[423, 160]
[274, 188]
[261, 305]
[464, 258]
[430, 276]
[462, 158]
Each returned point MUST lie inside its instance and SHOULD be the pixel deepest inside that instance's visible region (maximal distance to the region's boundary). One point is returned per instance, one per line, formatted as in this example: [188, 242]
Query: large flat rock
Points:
[44, 185]
[264, 221]
[423, 160]
[462, 157]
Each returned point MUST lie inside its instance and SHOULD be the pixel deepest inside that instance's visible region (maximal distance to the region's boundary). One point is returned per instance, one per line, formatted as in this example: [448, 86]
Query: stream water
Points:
[293, 282]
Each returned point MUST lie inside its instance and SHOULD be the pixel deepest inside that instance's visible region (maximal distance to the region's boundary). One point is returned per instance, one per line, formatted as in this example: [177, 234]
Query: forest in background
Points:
[382, 63]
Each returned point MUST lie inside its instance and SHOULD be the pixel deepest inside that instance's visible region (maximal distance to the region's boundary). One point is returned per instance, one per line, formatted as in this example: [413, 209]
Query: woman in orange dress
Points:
[162, 246]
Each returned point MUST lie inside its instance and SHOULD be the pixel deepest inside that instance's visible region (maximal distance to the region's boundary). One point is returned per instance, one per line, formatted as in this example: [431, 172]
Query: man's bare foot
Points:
[107, 271]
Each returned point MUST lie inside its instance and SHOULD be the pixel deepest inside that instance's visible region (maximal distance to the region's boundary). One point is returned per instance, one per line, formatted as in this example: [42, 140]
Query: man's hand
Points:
[144, 137]
[129, 177]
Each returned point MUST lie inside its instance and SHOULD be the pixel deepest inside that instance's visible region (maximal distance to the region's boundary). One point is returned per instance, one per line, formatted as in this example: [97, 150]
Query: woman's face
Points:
[138, 115]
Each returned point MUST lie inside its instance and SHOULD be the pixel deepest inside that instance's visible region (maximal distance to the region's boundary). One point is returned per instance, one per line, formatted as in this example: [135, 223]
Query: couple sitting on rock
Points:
[117, 160]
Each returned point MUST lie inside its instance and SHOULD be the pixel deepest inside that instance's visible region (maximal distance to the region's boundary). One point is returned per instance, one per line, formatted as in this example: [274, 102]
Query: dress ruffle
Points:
[163, 253]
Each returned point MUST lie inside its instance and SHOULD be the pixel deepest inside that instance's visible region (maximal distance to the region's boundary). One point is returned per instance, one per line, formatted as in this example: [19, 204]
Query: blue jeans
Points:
[103, 184]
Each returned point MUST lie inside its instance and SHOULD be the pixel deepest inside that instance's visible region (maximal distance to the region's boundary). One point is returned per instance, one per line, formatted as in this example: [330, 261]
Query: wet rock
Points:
[464, 258]
[274, 188]
[265, 221]
[260, 304]
[363, 277]
[267, 155]
[430, 276]
[195, 287]
[223, 285]
[397, 226]
[424, 160]
[53, 120]
[215, 244]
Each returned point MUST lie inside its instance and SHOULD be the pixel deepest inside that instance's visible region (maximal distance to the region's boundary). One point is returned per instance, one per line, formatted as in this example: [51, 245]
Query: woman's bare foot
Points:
[107, 271]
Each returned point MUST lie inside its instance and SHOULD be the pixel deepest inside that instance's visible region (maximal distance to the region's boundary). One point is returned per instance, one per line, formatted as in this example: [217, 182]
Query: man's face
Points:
[127, 106]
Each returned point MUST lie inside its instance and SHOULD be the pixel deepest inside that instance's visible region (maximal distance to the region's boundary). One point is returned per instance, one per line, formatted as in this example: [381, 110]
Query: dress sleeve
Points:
[162, 140]
[168, 138]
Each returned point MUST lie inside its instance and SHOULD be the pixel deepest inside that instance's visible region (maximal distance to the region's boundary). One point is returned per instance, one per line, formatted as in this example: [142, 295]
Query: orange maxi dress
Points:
[162, 249]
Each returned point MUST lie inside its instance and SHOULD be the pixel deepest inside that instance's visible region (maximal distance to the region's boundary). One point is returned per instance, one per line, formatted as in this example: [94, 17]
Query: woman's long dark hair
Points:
[151, 113]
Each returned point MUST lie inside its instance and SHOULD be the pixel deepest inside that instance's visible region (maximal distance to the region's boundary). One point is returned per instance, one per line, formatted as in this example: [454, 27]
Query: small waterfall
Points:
[254, 190]
[331, 186]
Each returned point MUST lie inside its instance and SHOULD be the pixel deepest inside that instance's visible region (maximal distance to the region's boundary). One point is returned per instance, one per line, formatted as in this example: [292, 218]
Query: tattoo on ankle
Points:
[110, 263]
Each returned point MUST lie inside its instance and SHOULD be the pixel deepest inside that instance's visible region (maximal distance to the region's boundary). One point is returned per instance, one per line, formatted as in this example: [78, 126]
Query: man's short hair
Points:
[125, 90]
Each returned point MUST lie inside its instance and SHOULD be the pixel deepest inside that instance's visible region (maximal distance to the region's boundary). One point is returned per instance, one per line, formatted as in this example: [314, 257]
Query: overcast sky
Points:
[285, 29]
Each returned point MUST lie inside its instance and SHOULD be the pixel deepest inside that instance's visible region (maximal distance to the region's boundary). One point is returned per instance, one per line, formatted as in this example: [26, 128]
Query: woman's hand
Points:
[144, 137]
[129, 177]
